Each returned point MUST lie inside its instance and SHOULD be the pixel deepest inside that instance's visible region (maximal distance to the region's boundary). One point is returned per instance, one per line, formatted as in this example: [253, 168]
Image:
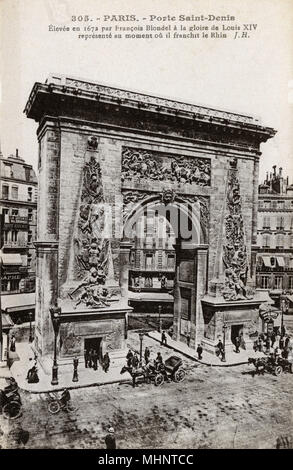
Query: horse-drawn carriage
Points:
[157, 374]
[10, 400]
[271, 365]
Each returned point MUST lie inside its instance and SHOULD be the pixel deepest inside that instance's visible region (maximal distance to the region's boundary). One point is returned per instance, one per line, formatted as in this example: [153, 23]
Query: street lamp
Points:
[140, 349]
[284, 309]
[159, 309]
[224, 343]
[55, 317]
[30, 335]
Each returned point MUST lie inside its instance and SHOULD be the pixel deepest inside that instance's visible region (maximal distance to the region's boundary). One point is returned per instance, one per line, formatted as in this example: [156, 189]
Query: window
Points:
[30, 214]
[266, 204]
[6, 235]
[14, 212]
[29, 194]
[290, 282]
[280, 223]
[5, 191]
[264, 282]
[14, 192]
[273, 261]
[280, 204]
[266, 222]
[14, 235]
[266, 241]
[14, 284]
[27, 174]
[280, 241]
[29, 260]
[4, 285]
[278, 282]
[8, 171]
[29, 236]
[291, 241]
[149, 261]
[170, 261]
[5, 213]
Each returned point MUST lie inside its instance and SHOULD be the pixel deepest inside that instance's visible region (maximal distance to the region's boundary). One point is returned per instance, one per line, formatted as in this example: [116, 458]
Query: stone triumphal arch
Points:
[104, 153]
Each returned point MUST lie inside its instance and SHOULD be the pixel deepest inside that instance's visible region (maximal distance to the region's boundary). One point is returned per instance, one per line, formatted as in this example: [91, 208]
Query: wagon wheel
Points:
[54, 406]
[179, 375]
[278, 370]
[159, 379]
[12, 410]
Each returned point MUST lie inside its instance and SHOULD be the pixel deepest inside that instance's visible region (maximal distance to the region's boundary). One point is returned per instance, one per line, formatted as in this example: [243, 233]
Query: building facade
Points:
[152, 265]
[18, 207]
[274, 259]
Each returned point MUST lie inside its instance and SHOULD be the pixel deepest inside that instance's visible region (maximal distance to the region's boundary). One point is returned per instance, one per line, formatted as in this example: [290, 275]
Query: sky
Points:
[252, 76]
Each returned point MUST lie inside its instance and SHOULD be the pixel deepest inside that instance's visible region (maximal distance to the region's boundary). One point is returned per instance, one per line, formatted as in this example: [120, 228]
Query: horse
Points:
[259, 363]
[135, 373]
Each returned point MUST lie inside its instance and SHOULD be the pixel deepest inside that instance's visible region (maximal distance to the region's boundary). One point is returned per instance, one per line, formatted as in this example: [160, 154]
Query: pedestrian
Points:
[242, 342]
[260, 344]
[268, 344]
[164, 338]
[220, 349]
[237, 344]
[95, 359]
[106, 362]
[199, 351]
[110, 439]
[90, 358]
[159, 359]
[129, 357]
[86, 358]
[277, 353]
[273, 338]
[282, 342]
[12, 343]
[135, 361]
[188, 339]
[287, 340]
[147, 354]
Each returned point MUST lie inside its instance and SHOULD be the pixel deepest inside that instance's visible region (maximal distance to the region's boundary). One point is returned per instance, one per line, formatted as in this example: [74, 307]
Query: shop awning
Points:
[6, 322]
[267, 261]
[11, 259]
[18, 302]
[280, 261]
[290, 298]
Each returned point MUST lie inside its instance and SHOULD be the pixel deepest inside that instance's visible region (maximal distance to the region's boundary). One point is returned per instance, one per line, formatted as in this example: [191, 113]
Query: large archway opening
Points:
[156, 228]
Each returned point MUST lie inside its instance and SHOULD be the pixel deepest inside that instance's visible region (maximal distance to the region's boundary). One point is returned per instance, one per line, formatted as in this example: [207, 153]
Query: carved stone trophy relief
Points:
[92, 250]
[235, 257]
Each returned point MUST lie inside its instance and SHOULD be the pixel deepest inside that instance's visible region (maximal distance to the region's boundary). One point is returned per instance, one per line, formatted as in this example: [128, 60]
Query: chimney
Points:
[16, 153]
[274, 168]
[280, 171]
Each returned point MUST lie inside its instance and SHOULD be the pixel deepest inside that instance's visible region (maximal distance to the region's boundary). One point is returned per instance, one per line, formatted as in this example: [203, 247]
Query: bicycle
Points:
[56, 405]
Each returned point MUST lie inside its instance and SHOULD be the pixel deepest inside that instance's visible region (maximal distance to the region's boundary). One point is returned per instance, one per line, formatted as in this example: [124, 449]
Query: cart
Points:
[170, 370]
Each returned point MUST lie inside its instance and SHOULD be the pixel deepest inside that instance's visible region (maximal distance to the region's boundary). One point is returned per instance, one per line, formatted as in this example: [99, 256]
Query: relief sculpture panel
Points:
[164, 167]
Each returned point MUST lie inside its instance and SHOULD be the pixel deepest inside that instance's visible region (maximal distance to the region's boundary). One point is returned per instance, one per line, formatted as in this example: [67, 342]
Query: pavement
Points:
[232, 358]
[86, 377]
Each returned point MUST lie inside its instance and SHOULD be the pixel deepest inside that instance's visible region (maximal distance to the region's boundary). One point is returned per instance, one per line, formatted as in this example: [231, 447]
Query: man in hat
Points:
[106, 362]
[164, 338]
[110, 439]
[147, 354]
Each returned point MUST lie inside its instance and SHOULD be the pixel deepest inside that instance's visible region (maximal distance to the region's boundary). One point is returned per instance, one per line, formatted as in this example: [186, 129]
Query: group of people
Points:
[91, 360]
[275, 343]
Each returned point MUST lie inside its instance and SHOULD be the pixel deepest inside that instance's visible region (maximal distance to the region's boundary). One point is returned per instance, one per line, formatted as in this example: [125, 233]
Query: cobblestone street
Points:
[212, 408]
